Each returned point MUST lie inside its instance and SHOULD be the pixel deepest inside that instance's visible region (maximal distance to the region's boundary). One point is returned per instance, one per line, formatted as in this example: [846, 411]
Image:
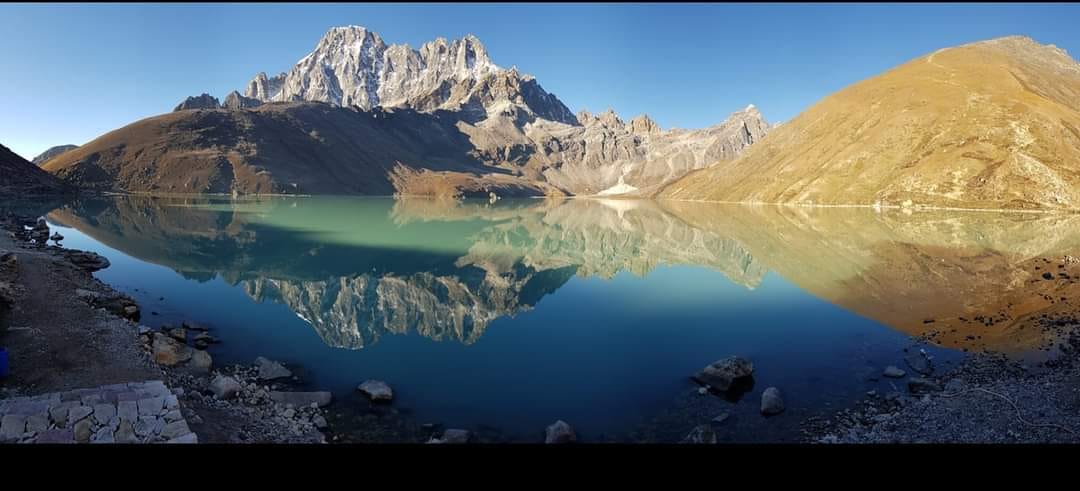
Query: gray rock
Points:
[235, 101]
[721, 419]
[225, 387]
[12, 427]
[83, 430]
[103, 435]
[201, 361]
[175, 429]
[125, 433]
[919, 385]
[771, 402]
[721, 374]
[701, 434]
[59, 415]
[204, 101]
[301, 399]
[103, 413]
[173, 415]
[319, 422]
[88, 261]
[128, 411]
[78, 413]
[177, 333]
[376, 390]
[171, 402]
[151, 406]
[919, 362]
[893, 371]
[271, 370]
[560, 432]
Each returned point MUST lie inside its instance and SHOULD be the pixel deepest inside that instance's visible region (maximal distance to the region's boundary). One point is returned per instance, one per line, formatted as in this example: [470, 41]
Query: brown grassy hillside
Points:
[992, 124]
[288, 148]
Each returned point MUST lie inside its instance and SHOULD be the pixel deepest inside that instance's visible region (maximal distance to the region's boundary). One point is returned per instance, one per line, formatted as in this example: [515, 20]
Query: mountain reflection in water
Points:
[359, 269]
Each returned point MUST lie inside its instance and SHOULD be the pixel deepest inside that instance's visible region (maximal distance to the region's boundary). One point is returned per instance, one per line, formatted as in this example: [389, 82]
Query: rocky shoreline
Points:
[987, 398]
[69, 333]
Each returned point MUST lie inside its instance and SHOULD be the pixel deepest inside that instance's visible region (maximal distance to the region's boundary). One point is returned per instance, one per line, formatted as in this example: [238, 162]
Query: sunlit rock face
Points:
[358, 116]
[358, 270]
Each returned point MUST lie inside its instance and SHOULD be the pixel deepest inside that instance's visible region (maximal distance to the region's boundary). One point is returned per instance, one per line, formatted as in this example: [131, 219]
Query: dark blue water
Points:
[608, 312]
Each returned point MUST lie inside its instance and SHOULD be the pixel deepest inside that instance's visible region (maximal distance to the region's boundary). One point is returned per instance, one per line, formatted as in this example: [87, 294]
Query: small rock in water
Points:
[560, 432]
[722, 374]
[893, 372]
[702, 391]
[721, 419]
[376, 390]
[225, 387]
[771, 402]
[701, 434]
[919, 362]
[178, 333]
[919, 385]
[270, 369]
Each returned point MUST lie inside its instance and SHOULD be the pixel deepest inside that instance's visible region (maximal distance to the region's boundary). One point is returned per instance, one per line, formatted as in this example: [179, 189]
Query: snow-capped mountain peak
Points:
[353, 66]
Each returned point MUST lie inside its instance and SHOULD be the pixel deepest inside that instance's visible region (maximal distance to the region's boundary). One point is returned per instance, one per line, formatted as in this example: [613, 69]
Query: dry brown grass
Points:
[992, 124]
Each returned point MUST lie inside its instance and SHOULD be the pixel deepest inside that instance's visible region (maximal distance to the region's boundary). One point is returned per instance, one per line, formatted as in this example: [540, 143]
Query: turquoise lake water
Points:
[515, 314]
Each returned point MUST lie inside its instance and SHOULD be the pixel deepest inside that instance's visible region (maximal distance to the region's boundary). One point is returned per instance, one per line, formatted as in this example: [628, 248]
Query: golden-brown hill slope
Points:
[992, 124]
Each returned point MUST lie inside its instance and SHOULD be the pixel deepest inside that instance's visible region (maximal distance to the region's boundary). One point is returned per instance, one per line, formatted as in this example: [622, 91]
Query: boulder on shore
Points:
[225, 387]
[168, 351]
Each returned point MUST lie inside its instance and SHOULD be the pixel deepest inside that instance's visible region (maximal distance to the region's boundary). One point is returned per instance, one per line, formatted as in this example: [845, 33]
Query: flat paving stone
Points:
[118, 413]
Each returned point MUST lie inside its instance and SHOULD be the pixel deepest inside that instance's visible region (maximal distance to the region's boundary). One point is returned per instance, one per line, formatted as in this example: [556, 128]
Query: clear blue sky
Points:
[73, 72]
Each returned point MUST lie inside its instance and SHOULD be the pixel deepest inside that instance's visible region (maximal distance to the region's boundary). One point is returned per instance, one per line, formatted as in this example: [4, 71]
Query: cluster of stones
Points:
[249, 389]
[732, 374]
[168, 346]
[138, 412]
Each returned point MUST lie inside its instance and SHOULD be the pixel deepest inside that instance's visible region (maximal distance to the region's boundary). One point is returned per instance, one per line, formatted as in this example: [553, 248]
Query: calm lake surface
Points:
[515, 314]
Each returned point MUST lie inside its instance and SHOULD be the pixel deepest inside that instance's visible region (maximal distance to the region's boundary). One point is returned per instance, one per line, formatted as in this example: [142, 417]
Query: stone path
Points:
[138, 412]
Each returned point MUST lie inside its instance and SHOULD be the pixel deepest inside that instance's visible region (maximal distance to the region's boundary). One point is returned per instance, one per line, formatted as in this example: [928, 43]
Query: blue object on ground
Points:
[3, 362]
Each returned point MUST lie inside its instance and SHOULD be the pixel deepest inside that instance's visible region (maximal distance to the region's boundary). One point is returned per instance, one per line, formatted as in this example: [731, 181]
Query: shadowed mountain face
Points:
[992, 124]
[20, 178]
[358, 116]
[357, 270]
